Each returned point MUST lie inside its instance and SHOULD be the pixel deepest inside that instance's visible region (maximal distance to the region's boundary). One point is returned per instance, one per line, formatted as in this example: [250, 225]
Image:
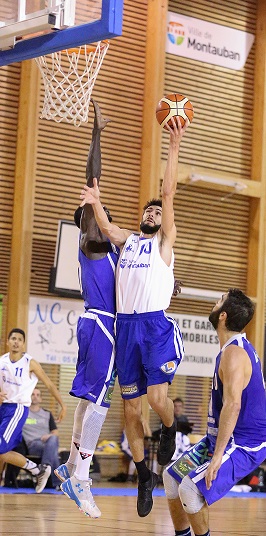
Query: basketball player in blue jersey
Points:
[149, 344]
[95, 374]
[19, 374]
[235, 442]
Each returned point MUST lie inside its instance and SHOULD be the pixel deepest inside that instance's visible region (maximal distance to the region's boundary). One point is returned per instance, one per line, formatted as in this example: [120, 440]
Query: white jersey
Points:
[144, 282]
[16, 380]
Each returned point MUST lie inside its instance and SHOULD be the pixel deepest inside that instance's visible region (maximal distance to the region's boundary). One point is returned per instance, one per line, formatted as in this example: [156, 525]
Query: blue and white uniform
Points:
[95, 376]
[246, 449]
[149, 343]
[18, 383]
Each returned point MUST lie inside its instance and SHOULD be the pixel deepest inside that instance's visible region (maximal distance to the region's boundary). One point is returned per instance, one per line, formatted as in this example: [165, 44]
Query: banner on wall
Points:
[52, 337]
[201, 345]
[204, 41]
[52, 326]
[1, 312]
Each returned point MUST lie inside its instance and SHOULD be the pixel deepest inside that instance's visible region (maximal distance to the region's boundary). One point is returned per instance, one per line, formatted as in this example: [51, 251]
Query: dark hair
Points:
[178, 400]
[239, 309]
[17, 330]
[153, 202]
[77, 216]
[78, 213]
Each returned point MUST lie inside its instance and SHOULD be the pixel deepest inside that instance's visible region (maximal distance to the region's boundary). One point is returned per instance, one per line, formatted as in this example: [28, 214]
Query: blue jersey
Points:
[97, 279]
[250, 429]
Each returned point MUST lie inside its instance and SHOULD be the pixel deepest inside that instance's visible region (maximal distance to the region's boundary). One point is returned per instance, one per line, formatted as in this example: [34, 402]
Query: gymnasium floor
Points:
[51, 513]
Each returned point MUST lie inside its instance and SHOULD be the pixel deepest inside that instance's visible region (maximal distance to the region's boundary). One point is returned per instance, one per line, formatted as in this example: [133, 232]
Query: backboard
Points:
[64, 280]
[31, 28]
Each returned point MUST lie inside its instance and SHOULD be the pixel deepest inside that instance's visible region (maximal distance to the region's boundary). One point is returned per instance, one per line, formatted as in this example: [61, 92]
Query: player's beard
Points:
[214, 317]
[149, 229]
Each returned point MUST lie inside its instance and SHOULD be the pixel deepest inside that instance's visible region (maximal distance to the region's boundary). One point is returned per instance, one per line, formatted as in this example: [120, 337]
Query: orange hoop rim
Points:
[91, 47]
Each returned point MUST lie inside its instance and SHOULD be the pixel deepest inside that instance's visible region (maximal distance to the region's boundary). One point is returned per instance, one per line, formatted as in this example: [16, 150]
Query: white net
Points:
[68, 78]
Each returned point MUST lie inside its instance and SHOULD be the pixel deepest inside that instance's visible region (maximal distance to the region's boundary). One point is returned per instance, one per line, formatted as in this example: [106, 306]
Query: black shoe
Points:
[167, 445]
[145, 501]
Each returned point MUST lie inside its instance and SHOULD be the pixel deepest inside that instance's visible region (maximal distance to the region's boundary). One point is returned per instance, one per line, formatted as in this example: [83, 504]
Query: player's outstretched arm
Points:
[170, 179]
[91, 196]
[42, 376]
[234, 373]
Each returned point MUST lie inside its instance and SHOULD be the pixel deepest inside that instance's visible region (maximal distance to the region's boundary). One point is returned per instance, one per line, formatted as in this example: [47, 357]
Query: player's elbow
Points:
[167, 193]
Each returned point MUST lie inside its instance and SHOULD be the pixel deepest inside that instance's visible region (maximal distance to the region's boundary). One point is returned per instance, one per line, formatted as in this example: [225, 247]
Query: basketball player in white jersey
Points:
[149, 344]
[19, 374]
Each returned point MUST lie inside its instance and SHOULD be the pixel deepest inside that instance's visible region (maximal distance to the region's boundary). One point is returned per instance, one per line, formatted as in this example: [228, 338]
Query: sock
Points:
[205, 534]
[32, 467]
[71, 467]
[168, 430]
[143, 472]
[91, 429]
[76, 434]
[186, 532]
[74, 451]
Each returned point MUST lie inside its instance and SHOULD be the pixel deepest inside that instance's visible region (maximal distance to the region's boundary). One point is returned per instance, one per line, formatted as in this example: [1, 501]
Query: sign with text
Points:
[204, 41]
[52, 327]
[201, 345]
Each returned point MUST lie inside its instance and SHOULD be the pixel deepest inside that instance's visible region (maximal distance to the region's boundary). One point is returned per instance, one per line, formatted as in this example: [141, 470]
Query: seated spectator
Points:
[41, 435]
[179, 411]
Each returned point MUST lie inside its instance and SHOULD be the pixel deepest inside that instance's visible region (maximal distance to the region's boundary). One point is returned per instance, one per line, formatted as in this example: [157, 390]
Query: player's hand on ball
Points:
[177, 131]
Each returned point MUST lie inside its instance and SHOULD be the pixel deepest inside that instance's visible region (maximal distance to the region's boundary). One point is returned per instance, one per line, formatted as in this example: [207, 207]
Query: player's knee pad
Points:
[170, 485]
[191, 498]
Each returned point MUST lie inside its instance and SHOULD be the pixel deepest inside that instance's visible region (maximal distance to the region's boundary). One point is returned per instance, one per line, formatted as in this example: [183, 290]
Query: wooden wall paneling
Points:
[10, 83]
[153, 91]
[257, 236]
[22, 228]
[151, 132]
[213, 221]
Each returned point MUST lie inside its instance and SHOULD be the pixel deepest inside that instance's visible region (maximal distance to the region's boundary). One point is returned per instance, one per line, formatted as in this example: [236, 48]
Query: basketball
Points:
[174, 105]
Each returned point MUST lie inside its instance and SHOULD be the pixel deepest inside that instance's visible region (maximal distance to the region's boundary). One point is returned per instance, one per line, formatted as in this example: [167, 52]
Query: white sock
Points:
[76, 434]
[91, 429]
[32, 467]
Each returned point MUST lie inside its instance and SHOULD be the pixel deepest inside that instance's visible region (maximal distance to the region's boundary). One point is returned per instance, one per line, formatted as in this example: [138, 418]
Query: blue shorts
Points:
[149, 349]
[95, 373]
[237, 462]
[12, 419]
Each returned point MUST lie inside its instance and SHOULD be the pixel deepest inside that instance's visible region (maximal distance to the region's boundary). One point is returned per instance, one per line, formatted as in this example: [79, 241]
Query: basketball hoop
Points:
[69, 77]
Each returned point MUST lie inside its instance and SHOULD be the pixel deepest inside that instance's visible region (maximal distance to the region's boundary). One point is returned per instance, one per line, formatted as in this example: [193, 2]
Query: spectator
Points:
[179, 411]
[40, 434]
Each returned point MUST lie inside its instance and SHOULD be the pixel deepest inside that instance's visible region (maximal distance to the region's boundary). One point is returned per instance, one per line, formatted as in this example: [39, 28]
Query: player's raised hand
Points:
[176, 130]
[90, 195]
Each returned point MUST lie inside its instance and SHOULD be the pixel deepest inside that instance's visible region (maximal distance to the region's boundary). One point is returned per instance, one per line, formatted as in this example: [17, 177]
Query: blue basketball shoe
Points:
[79, 491]
[62, 472]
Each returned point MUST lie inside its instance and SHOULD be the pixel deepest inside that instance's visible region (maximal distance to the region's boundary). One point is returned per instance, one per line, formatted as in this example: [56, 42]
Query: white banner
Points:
[201, 345]
[207, 42]
[52, 327]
